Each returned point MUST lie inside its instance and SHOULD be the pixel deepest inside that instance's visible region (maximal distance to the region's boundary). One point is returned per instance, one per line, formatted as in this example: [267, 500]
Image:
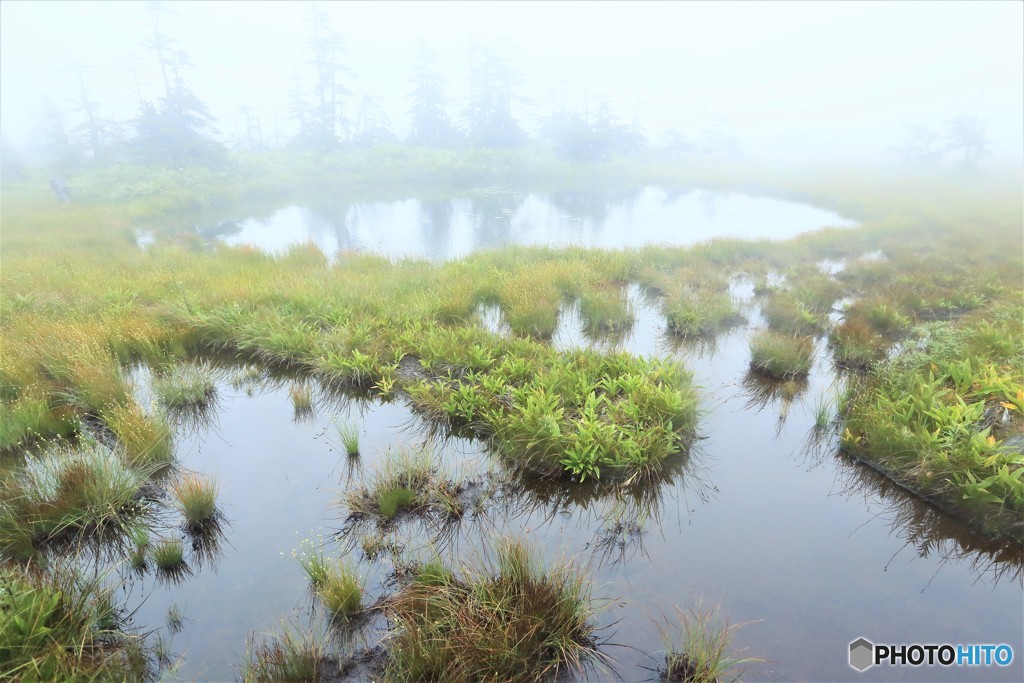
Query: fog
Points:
[799, 81]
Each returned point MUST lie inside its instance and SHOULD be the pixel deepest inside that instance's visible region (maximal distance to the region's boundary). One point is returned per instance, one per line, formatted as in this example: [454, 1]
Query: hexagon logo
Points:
[862, 654]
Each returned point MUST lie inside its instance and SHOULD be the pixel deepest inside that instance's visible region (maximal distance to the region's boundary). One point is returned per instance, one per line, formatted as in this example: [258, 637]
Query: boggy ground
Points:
[929, 331]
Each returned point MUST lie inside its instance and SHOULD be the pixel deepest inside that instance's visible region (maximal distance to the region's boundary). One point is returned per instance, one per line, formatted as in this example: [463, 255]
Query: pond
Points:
[444, 229]
[765, 521]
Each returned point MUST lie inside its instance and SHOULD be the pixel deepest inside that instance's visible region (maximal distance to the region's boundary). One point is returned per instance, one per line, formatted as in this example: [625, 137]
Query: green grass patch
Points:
[168, 554]
[341, 591]
[58, 625]
[944, 419]
[781, 356]
[196, 497]
[393, 499]
[408, 481]
[786, 314]
[701, 313]
[70, 493]
[184, 386]
[606, 312]
[348, 434]
[699, 652]
[507, 618]
[293, 657]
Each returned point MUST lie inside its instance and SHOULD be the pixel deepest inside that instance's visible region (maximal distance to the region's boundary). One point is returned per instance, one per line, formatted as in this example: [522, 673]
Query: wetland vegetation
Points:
[928, 339]
[512, 392]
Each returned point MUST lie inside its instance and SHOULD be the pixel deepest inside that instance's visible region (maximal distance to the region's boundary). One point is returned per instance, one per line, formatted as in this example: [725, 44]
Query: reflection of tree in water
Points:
[674, 194]
[928, 531]
[220, 229]
[589, 207]
[492, 218]
[331, 218]
[709, 202]
[435, 218]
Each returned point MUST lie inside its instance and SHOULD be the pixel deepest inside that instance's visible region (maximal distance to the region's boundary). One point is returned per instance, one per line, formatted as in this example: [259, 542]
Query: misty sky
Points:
[796, 80]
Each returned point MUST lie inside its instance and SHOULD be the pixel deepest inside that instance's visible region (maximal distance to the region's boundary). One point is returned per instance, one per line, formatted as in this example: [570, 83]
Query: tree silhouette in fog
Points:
[178, 128]
[96, 134]
[489, 120]
[966, 136]
[429, 125]
[57, 145]
[921, 146]
[322, 124]
[582, 136]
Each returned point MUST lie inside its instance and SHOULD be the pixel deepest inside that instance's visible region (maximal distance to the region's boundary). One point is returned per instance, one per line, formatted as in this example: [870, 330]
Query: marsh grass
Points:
[787, 315]
[29, 417]
[823, 411]
[700, 313]
[334, 582]
[70, 493]
[408, 481]
[505, 618]
[348, 434]
[59, 625]
[293, 656]
[146, 438]
[196, 497]
[174, 619]
[301, 395]
[699, 652]
[781, 356]
[393, 499]
[855, 345]
[140, 544]
[169, 554]
[66, 332]
[341, 591]
[184, 386]
[606, 312]
[935, 417]
[313, 562]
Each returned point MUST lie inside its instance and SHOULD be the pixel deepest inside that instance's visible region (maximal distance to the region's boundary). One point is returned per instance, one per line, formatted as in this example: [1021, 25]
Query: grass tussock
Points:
[196, 498]
[699, 652]
[184, 386]
[168, 554]
[335, 583]
[348, 434]
[69, 493]
[293, 656]
[301, 395]
[781, 356]
[146, 438]
[701, 313]
[408, 482]
[505, 619]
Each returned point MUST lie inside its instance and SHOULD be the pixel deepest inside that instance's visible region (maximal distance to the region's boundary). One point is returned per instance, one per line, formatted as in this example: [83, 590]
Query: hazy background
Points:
[790, 80]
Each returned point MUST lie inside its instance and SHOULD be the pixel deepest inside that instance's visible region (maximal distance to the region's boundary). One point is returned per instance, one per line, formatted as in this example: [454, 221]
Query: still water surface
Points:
[444, 229]
[767, 523]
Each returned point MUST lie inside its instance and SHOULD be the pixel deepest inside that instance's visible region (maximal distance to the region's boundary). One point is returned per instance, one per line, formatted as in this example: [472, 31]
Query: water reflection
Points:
[443, 229]
[927, 532]
[762, 392]
[644, 544]
[207, 543]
